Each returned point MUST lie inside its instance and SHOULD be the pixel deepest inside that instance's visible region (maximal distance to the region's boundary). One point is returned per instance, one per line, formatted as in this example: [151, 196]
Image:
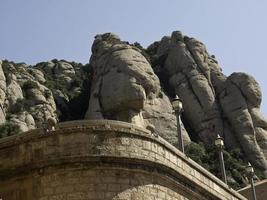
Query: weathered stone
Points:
[24, 120]
[160, 113]
[125, 88]
[38, 75]
[2, 93]
[123, 162]
[214, 103]
[13, 92]
[22, 105]
[191, 82]
[240, 105]
[124, 98]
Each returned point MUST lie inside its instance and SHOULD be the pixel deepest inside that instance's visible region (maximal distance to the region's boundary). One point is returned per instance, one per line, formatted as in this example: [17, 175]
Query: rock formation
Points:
[24, 97]
[125, 88]
[126, 82]
[213, 103]
[31, 96]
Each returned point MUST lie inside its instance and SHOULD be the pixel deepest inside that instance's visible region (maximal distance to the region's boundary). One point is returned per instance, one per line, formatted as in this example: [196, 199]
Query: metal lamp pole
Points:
[220, 145]
[178, 108]
[250, 174]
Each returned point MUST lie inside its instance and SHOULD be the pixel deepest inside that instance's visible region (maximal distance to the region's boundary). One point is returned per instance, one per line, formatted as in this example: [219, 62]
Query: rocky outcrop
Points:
[159, 113]
[128, 83]
[32, 95]
[213, 103]
[2, 93]
[70, 84]
[25, 101]
[125, 88]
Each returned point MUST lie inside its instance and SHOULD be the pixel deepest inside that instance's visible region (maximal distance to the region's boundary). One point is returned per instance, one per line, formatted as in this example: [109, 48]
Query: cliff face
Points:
[30, 95]
[128, 83]
[213, 103]
[24, 96]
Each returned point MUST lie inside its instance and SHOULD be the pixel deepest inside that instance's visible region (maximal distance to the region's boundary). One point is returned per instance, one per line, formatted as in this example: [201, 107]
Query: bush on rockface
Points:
[8, 129]
[209, 159]
[19, 106]
[47, 94]
[29, 85]
[197, 152]
[143, 51]
[75, 95]
[78, 103]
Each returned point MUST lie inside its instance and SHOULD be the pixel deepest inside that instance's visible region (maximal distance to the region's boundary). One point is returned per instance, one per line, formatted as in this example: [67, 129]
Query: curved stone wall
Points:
[260, 188]
[101, 160]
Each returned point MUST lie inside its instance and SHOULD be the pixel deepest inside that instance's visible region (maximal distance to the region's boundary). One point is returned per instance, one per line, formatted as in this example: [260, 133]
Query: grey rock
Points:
[124, 98]
[240, 103]
[214, 103]
[13, 92]
[160, 113]
[24, 120]
[192, 83]
[125, 88]
[2, 93]
[38, 75]
[22, 105]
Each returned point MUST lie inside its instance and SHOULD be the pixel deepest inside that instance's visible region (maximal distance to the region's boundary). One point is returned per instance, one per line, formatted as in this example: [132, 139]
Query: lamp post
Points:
[220, 145]
[178, 108]
[250, 174]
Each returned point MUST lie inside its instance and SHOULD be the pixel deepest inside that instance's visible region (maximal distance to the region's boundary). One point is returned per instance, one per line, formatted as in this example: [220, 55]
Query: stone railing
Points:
[101, 160]
[260, 188]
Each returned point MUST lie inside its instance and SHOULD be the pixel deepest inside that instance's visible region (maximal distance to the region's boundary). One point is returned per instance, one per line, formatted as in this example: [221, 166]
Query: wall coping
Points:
[262, 182]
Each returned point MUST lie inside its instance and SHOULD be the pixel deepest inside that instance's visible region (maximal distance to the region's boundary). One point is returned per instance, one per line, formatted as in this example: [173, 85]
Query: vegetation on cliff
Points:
[8, 129]
[234, 163]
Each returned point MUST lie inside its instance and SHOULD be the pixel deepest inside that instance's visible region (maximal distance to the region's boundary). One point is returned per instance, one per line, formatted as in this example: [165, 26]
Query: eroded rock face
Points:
[30, 96]
[159, 113]
[2, 93]
[213, 103]
[25, 101]
[125, 88]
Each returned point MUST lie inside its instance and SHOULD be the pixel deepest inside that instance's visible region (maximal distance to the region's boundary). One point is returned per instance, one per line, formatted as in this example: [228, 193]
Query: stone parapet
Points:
[260, 188]
[101, 160]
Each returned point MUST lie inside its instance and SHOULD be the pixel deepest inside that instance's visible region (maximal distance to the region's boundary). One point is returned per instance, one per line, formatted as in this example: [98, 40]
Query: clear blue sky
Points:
[40, 30]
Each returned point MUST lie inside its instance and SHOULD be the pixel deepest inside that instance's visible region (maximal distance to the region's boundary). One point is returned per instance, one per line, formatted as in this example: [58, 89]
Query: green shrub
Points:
[8, 129]
[143, 51]
[77, 93]
[160, 95]
[47, 94]
[196, 152]
[29, 85]
[209, 159]
[19, 106]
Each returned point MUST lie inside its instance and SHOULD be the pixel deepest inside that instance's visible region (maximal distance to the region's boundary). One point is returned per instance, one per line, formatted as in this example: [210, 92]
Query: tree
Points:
[8, 129]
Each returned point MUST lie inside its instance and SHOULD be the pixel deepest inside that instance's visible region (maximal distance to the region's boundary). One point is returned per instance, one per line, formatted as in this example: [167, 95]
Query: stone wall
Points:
[260, 188]
[101, 160]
